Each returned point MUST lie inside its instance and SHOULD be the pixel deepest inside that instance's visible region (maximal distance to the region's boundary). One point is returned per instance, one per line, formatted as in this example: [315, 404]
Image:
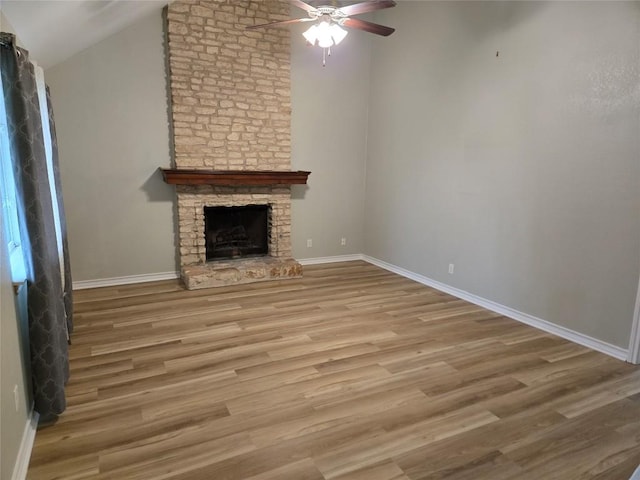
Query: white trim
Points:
[26, 445]
[566, 333]
[634, 339]
[154, 277]
[114, 281]
[632, 354]
[334, 259]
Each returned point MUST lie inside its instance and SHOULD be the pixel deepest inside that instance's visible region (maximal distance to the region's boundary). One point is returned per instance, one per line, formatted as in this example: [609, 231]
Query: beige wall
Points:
[329, 131]
[14, 367]
[521, 169]
[13, 358]
[110, 104]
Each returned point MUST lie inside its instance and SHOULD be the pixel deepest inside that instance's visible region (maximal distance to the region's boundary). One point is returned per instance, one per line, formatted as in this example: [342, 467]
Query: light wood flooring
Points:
[349, 373]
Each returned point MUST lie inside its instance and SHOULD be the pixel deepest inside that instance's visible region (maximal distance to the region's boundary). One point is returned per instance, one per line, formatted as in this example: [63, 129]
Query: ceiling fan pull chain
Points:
[324, 57]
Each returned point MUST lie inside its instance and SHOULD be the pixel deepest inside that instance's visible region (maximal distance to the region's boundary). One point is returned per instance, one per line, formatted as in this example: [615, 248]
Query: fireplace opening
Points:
[235, 232]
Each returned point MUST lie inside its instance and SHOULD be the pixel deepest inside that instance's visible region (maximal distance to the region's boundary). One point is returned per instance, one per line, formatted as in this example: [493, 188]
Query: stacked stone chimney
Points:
[230, 110]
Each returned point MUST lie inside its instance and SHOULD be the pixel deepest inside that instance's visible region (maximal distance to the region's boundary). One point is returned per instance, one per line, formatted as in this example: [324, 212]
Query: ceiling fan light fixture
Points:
[325, 40]
[326, 34]
[311, 35]
[328, 21]
[338, 33]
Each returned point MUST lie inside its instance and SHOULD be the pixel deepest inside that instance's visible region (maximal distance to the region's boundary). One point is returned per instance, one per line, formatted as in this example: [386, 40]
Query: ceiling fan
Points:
[327, 30]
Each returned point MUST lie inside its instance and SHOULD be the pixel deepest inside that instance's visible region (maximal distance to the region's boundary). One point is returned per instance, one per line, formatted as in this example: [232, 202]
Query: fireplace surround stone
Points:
[191, 227]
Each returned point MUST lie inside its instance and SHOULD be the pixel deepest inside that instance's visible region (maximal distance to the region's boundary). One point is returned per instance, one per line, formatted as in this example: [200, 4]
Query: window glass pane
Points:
[8, 199]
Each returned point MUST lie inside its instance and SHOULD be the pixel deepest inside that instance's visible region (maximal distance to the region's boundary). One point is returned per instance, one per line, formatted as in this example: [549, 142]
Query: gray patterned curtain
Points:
[48, 337]
[68, 295]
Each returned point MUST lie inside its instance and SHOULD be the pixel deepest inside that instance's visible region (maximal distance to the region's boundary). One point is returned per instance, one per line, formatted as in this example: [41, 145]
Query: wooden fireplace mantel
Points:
[233, 177]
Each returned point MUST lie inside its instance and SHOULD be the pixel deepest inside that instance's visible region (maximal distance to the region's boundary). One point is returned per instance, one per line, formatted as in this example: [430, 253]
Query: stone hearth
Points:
[234, 272]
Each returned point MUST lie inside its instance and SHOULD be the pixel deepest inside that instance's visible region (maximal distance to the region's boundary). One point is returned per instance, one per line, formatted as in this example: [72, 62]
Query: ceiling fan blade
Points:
[302, 5]
[364, 7]
[368, 26]
[277, 24]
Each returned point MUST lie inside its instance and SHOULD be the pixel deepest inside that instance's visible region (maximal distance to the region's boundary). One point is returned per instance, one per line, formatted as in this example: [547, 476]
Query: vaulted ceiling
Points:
[54, 30]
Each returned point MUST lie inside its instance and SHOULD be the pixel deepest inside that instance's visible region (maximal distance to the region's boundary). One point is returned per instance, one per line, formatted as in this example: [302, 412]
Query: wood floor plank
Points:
[461, 453]
[74, 467]
[301, 470]
[351, 372]
[400, 440]
[386, 470]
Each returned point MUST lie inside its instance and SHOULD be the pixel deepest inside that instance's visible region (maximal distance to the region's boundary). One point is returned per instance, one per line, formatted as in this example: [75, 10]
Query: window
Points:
[9, 207]
[7, 182]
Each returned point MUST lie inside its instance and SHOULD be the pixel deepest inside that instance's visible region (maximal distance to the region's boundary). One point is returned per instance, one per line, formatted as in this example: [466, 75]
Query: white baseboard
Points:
[114, 281]
[563, 332]
[26, 445]
[334, 259]
[154, 277]
[634, 338]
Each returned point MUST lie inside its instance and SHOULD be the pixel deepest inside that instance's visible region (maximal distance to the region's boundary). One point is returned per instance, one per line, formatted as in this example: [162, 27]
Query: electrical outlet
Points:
[309, 243]
[16, 397]
[343, 241]
[451, 267]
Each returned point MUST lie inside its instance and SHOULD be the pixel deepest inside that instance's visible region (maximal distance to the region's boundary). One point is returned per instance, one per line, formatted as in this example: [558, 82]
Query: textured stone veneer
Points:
[230, 110]
[230, 87]
[191, 203]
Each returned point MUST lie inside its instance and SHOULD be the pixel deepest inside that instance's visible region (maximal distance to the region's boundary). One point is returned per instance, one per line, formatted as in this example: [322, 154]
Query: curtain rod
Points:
[9, 43]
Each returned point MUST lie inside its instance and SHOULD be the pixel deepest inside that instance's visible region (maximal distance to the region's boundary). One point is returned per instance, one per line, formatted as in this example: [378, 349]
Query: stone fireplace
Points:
[197, 272]
[231, 134]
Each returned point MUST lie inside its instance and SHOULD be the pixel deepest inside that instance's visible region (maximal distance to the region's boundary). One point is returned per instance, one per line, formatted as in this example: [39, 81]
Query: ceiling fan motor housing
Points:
[335, 13]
